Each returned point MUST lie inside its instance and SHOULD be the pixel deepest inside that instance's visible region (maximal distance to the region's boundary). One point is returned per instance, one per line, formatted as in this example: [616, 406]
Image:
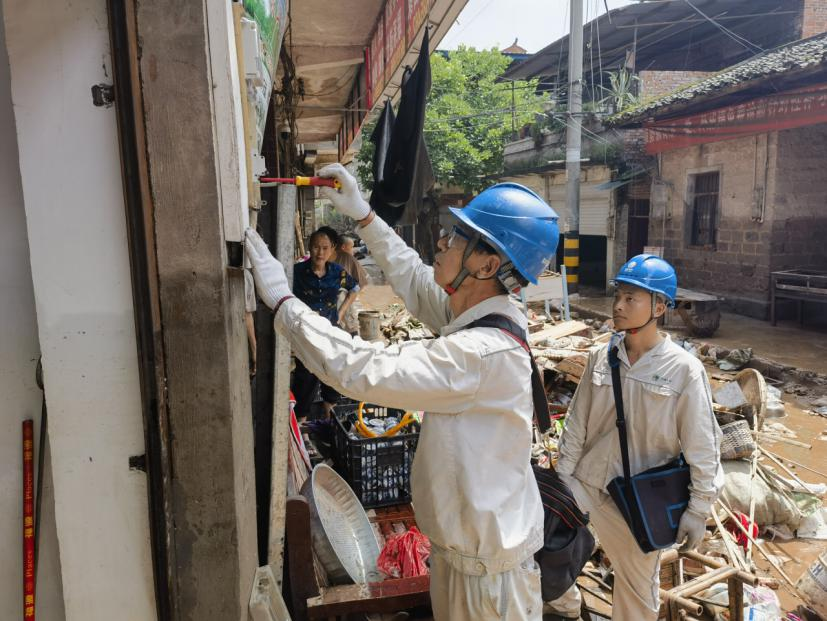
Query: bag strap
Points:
[617, 389]
[538, 392]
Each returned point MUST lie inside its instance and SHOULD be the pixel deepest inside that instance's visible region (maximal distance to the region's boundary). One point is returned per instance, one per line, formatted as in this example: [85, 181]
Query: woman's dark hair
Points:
[328, 232]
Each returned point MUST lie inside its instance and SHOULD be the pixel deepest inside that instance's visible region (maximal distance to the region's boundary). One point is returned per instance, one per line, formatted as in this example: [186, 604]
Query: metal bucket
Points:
[813, 585]
[370, 325]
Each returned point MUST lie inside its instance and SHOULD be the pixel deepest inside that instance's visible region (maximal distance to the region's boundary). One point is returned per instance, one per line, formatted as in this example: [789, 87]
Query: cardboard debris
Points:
[730, 396]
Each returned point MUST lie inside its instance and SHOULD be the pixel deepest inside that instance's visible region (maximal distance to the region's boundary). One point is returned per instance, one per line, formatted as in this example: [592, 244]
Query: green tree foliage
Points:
[468, 119]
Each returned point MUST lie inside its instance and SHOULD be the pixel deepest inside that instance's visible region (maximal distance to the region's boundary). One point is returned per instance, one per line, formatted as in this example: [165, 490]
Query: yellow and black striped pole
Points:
[571, 259]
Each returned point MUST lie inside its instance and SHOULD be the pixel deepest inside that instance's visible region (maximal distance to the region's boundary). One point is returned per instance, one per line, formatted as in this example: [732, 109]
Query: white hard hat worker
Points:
[474, 492]
[668, 410]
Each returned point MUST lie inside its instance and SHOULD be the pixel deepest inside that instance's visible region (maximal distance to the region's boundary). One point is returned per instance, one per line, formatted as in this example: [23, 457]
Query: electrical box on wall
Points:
[259, 168]
[660, 199]
[252, 50]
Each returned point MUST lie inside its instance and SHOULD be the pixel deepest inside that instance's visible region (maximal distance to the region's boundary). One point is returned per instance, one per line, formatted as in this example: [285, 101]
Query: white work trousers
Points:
[508, 596]
[636, 573]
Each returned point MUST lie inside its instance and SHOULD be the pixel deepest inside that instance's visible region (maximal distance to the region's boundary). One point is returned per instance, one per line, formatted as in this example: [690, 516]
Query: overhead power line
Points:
[733, 35]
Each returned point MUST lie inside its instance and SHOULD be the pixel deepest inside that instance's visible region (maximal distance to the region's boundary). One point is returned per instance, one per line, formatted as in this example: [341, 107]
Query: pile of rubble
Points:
[399, 325]
[763, 498]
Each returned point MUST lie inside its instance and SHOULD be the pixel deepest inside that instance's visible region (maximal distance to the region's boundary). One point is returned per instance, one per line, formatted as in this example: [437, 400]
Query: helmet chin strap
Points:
[651, 318]
[464, 273]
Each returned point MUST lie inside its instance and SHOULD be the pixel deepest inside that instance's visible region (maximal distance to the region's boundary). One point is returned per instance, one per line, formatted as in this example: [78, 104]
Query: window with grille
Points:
[704, 208]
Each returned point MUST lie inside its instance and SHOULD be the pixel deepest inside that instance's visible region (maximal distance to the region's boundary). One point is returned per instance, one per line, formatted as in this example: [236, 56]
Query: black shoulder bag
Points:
[567, 542]
[653, 501]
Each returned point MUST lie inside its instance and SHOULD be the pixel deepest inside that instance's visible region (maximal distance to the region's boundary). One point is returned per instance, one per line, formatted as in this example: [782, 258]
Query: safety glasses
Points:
[456, 232]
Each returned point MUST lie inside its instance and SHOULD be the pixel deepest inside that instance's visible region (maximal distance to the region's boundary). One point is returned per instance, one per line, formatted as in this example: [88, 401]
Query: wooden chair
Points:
[680, 601]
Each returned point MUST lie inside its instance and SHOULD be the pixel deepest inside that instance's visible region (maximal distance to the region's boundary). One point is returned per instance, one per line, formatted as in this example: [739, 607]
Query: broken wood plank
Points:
[572, 367]
[300, 558]
[558, 331]
[390, 595]
[602, 338]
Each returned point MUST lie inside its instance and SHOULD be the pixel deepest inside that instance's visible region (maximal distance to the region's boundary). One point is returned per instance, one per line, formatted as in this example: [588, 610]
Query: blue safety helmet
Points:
[517, 223]
[650, 272]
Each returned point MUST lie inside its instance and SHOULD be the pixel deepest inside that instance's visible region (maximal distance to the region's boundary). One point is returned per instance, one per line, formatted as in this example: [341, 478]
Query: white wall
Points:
[19, 350]
[71, 182]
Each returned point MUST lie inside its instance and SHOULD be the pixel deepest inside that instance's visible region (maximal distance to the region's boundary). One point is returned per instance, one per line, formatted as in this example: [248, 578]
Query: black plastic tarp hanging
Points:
[400, 158]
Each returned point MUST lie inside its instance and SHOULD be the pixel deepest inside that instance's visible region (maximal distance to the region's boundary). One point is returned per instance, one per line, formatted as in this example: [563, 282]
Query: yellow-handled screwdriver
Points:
[331, 183]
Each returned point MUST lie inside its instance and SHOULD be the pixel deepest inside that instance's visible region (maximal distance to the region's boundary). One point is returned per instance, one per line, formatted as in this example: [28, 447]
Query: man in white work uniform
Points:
[474, 492]
[668, 409]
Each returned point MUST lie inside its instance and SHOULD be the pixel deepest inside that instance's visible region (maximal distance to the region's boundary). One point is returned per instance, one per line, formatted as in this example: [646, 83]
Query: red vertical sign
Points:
[394, 34]
[377, 60]
[28, 520]
[417, 12]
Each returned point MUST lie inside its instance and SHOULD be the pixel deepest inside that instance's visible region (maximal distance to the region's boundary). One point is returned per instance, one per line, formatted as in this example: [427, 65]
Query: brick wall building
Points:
[770, 214]
[657, 83]
[813, 18]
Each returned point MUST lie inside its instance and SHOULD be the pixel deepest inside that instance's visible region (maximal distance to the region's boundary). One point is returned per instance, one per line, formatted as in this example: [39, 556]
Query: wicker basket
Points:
[754, 387]
[737, 440]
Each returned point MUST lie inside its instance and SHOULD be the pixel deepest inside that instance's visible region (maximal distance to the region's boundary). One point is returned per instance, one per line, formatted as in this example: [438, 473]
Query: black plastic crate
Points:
[377, 469]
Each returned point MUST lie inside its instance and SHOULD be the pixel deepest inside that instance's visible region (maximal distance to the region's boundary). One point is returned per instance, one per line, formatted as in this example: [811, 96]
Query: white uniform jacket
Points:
[668, 407]
[474, 492]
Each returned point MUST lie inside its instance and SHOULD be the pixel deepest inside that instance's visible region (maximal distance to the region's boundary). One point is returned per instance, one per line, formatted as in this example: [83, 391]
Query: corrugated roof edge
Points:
[791, 56]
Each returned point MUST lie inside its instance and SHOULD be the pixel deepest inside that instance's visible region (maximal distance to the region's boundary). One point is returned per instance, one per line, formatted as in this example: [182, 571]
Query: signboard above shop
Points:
[397, 33]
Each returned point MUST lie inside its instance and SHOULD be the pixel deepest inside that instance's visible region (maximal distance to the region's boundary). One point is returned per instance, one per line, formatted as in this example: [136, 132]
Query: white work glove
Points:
[691, 530]
[271, 281]
[348, 200]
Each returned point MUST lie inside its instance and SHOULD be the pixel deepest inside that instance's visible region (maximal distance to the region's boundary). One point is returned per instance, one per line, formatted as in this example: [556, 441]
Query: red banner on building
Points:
[377, 61]
[394, 34]
[417, 12]
[798, 108]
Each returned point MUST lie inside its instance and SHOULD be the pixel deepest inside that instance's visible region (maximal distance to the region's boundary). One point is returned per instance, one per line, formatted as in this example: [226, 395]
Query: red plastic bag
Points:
[404, 555]
[739, 535]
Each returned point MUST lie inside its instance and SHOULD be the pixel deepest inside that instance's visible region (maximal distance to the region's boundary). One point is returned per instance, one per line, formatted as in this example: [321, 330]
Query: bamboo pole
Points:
[794, 463]
[758, 546]
[693, 607]
[701, 583]
[772, 438]
[753, 471]
[744, 576]
[731, 546]
[792, 474]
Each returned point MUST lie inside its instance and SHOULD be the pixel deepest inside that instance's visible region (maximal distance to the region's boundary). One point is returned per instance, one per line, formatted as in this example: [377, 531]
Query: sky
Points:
[535, 23]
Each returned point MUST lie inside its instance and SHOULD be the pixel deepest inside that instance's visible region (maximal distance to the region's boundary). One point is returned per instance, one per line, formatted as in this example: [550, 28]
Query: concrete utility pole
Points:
[571, 241]
[285, 252]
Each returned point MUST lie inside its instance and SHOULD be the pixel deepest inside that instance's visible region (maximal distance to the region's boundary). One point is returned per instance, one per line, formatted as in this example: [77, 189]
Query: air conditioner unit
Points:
[266, 603]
